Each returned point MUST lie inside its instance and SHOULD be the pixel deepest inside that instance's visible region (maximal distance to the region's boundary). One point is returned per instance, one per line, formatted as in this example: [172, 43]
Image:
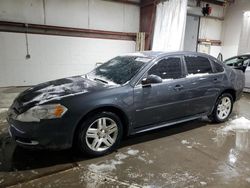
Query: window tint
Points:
[169, 68]
[236, 61]
[230, 62]
[218, 67]
[198, 65]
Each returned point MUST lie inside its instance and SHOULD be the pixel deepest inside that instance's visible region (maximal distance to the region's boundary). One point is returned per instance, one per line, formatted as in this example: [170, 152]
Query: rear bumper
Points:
[47, 134]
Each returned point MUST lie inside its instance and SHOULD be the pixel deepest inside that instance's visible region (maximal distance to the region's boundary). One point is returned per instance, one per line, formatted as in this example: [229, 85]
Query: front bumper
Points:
[23, 140]
[46, 134]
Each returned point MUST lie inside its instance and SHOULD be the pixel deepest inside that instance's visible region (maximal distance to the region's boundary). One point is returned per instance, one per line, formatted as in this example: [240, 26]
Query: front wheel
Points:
[222, 109]
[100, 134]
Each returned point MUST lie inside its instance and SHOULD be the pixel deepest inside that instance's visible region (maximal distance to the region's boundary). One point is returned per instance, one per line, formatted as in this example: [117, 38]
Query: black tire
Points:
[81, 140]
[214, 116]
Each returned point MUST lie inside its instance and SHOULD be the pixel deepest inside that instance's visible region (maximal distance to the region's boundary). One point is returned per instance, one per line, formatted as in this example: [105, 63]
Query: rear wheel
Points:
[222, 109]
[100, 134]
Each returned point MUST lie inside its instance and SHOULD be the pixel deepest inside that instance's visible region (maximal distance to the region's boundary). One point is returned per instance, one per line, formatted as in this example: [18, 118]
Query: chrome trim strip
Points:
[26, 143]
[22, 132]
[171, 103]
[168, 124]
[9, 132]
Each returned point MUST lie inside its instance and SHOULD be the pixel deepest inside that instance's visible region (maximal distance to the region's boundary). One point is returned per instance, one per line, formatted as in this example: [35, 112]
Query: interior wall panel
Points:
[210, 29]
[52, 57]
[191, 33]
[27, 11]
[87, 14]
[105, 15]
[67, 13]
[232, 27]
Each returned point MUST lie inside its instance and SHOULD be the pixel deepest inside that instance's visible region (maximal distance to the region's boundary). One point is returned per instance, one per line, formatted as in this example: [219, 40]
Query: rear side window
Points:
[169, 68]
[198, 65]
[218, 67]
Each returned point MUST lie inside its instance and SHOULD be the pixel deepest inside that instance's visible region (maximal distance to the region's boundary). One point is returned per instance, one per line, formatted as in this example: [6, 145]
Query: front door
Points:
[160, 102]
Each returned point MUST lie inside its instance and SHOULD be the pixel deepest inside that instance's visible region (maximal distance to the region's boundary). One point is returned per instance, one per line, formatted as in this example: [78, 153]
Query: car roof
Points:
[157, 54]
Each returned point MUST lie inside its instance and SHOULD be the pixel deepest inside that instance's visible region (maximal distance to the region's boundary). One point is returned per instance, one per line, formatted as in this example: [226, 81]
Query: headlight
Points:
[36, 113]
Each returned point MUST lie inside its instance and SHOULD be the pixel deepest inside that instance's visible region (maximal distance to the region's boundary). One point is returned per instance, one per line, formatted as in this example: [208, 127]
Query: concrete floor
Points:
[193, 154]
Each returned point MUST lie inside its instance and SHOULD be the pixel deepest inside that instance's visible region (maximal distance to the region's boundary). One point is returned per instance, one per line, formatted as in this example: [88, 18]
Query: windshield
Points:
[237, 61]
[118, 70]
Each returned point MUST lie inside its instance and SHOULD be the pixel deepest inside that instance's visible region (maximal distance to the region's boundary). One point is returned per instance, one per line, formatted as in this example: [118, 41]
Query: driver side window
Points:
[237, 61]
[168, 68]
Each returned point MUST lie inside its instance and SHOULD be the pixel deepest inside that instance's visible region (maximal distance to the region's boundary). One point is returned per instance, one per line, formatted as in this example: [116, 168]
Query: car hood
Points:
[57, 90]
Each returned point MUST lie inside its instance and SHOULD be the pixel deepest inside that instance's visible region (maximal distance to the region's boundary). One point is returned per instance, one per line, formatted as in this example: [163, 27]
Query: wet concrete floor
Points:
[193, 154]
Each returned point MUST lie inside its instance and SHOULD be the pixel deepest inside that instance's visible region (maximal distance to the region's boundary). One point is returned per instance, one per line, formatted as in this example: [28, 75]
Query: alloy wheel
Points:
[224, 108]
[101, 134]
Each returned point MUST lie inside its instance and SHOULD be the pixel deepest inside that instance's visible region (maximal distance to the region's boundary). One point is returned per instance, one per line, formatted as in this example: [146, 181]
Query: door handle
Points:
[215, 80]
[178, 87]
[146, 85]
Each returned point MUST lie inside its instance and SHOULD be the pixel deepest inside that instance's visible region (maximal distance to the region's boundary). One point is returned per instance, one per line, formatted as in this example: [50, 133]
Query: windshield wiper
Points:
[103, 81]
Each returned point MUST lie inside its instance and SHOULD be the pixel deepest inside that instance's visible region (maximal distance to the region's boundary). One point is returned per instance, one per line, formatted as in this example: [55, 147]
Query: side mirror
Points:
[151, 79]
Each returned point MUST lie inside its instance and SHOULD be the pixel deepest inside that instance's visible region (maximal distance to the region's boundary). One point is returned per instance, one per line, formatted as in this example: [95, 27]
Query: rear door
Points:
[202, 84]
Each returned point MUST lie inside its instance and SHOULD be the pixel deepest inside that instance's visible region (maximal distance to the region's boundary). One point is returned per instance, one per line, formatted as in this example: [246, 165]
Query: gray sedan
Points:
[127, 95]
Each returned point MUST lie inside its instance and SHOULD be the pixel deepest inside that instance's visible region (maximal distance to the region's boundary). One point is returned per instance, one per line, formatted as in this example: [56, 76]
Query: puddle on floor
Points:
[235, 162]
[240, 129]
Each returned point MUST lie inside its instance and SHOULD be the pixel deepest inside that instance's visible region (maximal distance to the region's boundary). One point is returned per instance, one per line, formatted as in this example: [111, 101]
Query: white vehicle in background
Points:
[241, 62]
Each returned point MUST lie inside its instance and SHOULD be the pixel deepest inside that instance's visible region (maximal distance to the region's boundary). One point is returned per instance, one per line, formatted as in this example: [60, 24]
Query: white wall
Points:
[215, 50]
[52, 57]
[210, 29]
[244, 43]
[58, 56]
[88, 14]
[30, 11]
[232, 27]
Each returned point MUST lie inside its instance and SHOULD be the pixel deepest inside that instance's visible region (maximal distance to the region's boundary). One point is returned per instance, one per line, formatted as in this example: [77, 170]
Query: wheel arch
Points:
[231, 92]
[114, 109]
[211, 115]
